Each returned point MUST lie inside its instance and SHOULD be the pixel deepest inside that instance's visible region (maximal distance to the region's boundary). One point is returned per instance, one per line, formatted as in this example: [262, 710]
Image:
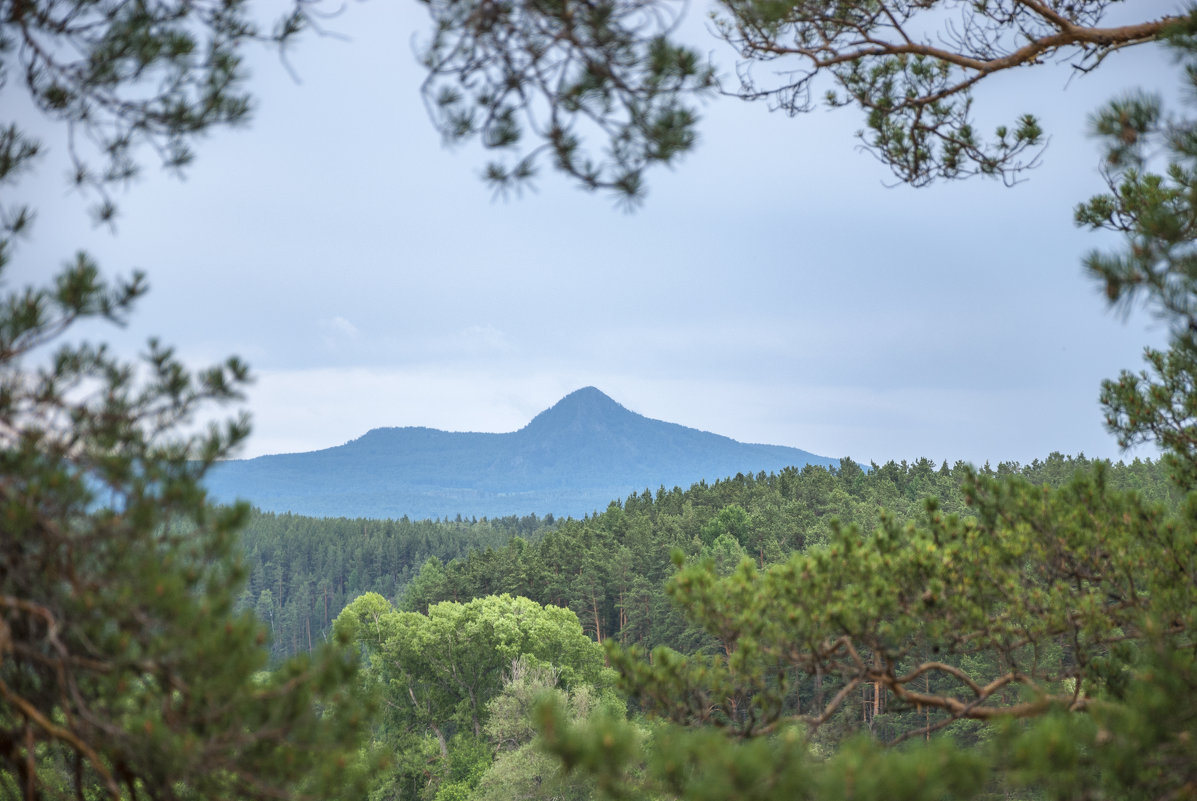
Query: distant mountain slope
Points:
[572, 459]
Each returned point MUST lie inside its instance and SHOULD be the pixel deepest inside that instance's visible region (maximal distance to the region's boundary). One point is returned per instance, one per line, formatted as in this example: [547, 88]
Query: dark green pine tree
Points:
[1040, 646]
[606, 92]
[124, 670]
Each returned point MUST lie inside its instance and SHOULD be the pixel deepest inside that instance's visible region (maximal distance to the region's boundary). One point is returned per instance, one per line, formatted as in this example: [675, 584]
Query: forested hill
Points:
[610, 568]
[571, 460]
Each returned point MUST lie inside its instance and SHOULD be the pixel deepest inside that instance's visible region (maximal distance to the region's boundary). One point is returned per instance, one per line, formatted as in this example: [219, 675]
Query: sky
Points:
[773, 288]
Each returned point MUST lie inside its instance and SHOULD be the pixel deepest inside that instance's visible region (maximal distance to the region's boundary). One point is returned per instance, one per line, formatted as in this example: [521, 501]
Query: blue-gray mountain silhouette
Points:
[572, 459]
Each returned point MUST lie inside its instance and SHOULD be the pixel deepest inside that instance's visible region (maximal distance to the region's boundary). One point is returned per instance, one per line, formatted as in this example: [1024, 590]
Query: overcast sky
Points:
[772, 288]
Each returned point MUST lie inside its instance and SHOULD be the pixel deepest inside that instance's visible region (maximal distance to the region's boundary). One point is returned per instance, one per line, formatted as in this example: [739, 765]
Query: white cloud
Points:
[482, 340]
[338, 335]
[339, 327]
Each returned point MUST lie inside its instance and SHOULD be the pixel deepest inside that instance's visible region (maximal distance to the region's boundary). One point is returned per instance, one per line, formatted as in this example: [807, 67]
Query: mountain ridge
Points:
[570, 459]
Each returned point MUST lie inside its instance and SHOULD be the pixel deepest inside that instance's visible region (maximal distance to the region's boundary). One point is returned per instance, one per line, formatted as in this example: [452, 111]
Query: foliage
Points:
[611, 568]
[1064, 616]
[1156, 214]
[521, 770]
[124, 669]
[562, 74]
[704, 765]
[122, 76]
[304, 570]
[453, 677]
[1002, 615]
[606, 70]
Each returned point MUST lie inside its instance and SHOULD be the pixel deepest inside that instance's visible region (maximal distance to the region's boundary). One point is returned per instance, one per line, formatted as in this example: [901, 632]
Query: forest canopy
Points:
[1047, 632]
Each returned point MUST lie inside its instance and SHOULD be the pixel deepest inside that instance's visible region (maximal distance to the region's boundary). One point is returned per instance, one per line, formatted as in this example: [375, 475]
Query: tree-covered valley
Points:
[304, 570]
[410, 589]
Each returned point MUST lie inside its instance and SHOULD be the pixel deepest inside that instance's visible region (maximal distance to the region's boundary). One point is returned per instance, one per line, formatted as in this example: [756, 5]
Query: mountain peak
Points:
[586, 398]
[587, 406]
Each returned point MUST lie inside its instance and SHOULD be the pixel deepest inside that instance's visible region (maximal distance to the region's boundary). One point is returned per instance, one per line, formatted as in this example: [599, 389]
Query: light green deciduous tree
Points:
[442, 674]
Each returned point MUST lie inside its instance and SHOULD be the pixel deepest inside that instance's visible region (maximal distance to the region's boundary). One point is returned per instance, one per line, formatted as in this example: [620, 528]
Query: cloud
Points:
[481, 340]
[337, 334]
[338, 327]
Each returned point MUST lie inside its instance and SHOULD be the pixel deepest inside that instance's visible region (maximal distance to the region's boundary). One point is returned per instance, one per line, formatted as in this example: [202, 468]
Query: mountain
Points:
[571, 459]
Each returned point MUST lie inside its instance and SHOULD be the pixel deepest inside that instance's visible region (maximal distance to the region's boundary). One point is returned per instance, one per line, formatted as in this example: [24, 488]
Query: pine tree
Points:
[124, 670]
[1049, 633]
[608, 91]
